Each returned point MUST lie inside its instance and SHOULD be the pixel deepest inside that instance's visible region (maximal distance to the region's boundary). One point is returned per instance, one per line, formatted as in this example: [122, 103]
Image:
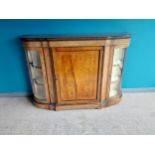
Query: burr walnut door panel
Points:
[77, 74]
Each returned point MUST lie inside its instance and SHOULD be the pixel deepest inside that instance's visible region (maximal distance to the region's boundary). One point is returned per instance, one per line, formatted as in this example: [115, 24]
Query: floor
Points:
[134, 115]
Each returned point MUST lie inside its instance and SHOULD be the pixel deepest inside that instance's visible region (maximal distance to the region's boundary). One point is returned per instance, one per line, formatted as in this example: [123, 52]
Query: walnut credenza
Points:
[72, 72]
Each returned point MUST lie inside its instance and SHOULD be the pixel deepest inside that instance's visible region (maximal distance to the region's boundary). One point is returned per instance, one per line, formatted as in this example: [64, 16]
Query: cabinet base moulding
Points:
[98, 105]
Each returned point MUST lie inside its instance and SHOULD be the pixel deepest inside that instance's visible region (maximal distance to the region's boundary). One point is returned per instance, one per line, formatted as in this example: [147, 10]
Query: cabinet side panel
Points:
[50, 73]
[106, 66]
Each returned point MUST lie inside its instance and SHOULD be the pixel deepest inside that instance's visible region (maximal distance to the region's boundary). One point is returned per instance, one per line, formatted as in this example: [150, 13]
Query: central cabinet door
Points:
[78, 74]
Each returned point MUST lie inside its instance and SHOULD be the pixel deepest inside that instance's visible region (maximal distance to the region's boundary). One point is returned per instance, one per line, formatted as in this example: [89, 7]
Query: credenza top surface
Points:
[68, 37]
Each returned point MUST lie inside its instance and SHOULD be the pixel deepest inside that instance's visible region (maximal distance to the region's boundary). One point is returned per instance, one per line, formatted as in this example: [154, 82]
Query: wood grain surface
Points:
[77, 73]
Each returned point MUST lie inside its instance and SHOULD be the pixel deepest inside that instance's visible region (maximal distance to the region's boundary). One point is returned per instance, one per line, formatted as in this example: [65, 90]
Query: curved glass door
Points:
[117, 65]
[37, 77]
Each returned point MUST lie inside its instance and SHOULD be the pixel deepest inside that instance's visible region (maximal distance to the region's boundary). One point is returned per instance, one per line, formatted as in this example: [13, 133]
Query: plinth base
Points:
[57, 107]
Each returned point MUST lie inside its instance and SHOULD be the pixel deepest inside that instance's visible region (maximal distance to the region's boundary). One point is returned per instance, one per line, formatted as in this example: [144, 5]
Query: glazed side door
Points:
[115, 72]
[37, 71]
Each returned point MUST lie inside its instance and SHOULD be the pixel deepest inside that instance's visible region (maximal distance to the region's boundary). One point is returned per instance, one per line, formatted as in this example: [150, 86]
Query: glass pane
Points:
[114, 89]
[118, 54]
[116, 72]
[37, 75]
[36, 59]
[39, 91]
